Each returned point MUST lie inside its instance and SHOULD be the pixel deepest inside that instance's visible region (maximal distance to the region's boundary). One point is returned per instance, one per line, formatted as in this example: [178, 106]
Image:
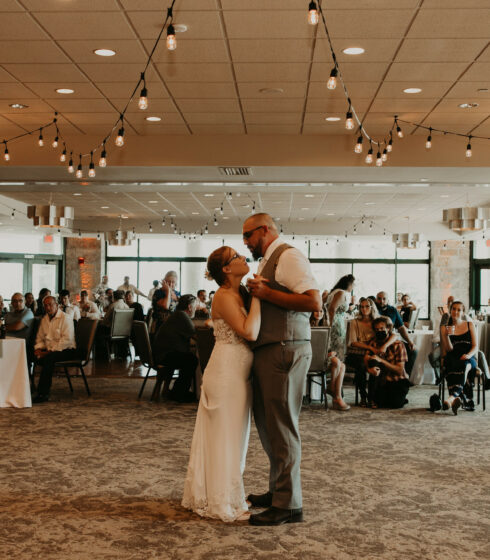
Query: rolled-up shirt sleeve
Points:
[294, 272]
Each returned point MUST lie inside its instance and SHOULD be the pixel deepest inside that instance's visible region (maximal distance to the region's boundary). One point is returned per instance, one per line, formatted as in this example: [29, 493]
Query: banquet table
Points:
[14, 378]
[422, 371]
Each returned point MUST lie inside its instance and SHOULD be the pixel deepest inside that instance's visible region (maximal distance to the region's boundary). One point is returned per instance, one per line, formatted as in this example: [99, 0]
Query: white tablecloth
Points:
[14, 377]
[422, 371]
[483, 330]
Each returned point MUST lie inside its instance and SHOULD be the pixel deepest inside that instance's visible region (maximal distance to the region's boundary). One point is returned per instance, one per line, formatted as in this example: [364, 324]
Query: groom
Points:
[282, 355]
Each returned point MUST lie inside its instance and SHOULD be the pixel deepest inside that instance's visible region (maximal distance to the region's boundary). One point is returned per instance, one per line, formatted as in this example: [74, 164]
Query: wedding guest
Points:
[88, 309]
[460, 347]
[100, 290]
[171, 349]
[19, 321]
[139, 314]
[118, 303]
[153, 290]
[72, 311]
[108, 299]
[40, 312]
[55, 342]
[165, 299]
[202, 308]
[338, 302]
[3, 309]
[406, 309]
[447, 315]
[127, 287]
[30, 302]
[388, 381]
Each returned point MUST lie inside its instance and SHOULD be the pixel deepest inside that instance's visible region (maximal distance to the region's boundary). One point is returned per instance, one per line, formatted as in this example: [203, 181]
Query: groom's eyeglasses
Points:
[248, 234]
[235, 256]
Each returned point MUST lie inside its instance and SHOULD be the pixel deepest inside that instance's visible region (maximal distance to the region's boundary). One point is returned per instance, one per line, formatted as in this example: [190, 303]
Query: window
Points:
[11, 279]
[481, 249]
[327, 274]
[351, 248]
[372, 278]
[413, 279]
[117, 270]
[421, 252]
[125, 251]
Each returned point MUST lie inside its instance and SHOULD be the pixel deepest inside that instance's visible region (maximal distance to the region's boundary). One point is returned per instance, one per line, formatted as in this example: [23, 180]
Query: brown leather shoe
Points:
[276, 516]
[260, 500]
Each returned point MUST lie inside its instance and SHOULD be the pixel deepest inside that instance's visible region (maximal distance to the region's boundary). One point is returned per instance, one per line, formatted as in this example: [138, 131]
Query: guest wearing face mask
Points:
[388, 381]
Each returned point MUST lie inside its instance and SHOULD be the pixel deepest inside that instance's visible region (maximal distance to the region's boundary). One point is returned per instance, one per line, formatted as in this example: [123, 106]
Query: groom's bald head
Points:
[259, 231]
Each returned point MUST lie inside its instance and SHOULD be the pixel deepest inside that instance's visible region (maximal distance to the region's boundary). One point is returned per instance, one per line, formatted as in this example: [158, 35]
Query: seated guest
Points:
[202, 308]
[19, 321]
[71, 310]
[30, 302]
[210, 300]
[460, 347]
[100, 291]
[447, 315]
[165, 299]
[118, 303]
[139, 314]
[40, 312]
[388, 381]
[3, 309]
[55, 342]
[406, 309]
[360, 333]
[171, 349]
[88, 309]
[107, 299]
[389, 311]
[127, 287]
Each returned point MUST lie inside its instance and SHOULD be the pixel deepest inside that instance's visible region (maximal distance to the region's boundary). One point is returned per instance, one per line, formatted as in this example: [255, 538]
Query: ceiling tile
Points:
[217, 129]
[85, 25]
[277, 72]
[128, 51]
[451, 105]
[363, 90]
[15, 91]
[440, 50]
[212, 105]
[81, 105]
[20, 27]
[169, 129]
[155, 106]
[139, 119]
[477, 71]
[273, 105]
[72, 5]
[272, 118]
[62, 73]
[251, 90]
[271, 50]
[202, 90]
[10, 6]
[394, 90]
[334, 105]
[117, 90]
[425, 71]
[368, 23]
[257, 25]
[34, 106]
[212, 118]
[82, 118]
[31, 51]
[321, 129]
[190, 50]
[396, 106]
[376, 50]
[182, 6]
[451, 24]
[351, 71]
[81, 90]
[445, 4]
[200, 25]
[273, 129]
[116, 72]
[216, 72]
[469, 90]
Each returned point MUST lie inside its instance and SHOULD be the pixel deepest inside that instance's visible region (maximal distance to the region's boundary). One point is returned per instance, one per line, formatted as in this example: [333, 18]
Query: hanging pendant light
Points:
[467, 218]
[51, 216]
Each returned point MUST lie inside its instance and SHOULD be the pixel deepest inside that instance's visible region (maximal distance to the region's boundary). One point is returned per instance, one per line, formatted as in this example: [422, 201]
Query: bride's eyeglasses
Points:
[235, 256]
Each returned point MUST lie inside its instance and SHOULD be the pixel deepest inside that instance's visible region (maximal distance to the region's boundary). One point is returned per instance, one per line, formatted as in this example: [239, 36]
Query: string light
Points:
[399, 131]
[120, 135]
[98, 235]
[369, 156]
[143, 100]
[384, 155]
[91, 167]
[379, 159]
[6, 155]
[55, 142]
[206, 230]
[312, 13]
[332, 80]
[79, 173]
[40, 140]
[358, 148]
[221, 209]
[390, 144]
[12, 216]
[171, 41]
[428, 142]
[163, 221]
[469, 153]
[150, 227]
[63, 154]
[349, 121]
[215, 222]
[71, 169]
[103, 157]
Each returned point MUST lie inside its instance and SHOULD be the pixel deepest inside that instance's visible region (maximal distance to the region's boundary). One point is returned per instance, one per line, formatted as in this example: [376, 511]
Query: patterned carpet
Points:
[101, 478]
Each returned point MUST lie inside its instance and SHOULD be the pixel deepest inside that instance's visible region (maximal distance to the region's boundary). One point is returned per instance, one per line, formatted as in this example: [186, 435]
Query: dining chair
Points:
[320, 339]
[121, 326]
[142, 348]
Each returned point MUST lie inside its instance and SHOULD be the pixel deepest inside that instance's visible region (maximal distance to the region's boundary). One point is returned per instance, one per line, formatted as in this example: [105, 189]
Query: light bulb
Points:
[91, 169]
[206, 230]
[469, 153]
[379, 159]
[71, 169]
[120, 137]
[384, 155]
[215, 223]
[12, 216]
[349, 122]
[332, 81]
[312, 13]
[79, 173]
[40, 140]
[150, 228]
[143, 100]
[369, 157]
[6, 155]
[163, 221]
[171, 41]
[103, 159]
[390, 145]
[399, 131]
[55, 142]
[358, 148]
[63, 156]
[428, 143]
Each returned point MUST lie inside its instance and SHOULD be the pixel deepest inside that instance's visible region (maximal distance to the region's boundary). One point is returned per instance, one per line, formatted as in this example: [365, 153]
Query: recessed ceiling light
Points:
[483, 90]
[153, 119]
[330, 214]
[180, 27]
[165, 210]
[412, 90]
[309, 196]
[104, 207]
[304, 208]
[104, 52]
[195, 213]
[444, 196]
[77, 194]
[65, 91]
[225, 218]
[271, 91]
[424, 180]
[353, 50]
[332, 119]
[468, 105]
[209, 194]
[153, 202]
[124, 217]
[369, 203]
[18, 106]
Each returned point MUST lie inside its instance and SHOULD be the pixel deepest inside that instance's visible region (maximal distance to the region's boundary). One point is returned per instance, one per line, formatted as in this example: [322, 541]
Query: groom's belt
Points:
[284, 342]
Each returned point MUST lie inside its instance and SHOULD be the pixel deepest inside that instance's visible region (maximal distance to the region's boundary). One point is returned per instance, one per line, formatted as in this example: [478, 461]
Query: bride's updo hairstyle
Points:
[216, 262]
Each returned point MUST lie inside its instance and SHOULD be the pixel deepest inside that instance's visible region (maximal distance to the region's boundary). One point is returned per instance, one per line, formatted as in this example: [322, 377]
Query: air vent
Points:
[235, 171]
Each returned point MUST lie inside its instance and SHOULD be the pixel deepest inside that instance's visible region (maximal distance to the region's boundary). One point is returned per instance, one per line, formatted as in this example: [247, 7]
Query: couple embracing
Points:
[268, 347]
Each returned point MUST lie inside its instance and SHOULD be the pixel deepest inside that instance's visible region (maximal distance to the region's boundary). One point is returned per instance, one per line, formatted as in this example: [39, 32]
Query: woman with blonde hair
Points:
[214, 483]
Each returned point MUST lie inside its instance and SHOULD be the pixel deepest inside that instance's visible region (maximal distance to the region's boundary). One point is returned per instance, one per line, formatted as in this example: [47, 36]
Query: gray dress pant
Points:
[279, 373]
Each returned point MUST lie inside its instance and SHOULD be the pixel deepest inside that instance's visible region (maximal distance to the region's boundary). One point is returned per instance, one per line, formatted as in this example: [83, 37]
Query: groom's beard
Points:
[256, 253]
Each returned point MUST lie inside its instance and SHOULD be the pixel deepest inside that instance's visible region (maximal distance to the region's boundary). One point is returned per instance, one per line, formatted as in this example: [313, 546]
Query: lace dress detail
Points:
[214, 482]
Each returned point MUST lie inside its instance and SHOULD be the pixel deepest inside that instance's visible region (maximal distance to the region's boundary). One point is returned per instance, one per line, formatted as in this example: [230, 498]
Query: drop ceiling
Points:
[208, 95]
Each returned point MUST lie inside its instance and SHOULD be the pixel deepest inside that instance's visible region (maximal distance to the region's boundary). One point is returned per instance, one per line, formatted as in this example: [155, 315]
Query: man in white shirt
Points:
[88, 309]
[118, 303]
[100, 290]
[282, 354]
[55, 342]
[127, 287]
[72, 311]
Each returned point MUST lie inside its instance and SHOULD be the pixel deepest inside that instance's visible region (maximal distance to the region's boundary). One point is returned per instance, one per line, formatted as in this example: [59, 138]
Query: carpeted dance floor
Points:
[101, 478]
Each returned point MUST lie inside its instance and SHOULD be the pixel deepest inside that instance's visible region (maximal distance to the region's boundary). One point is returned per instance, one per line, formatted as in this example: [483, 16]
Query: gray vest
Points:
[279, 324]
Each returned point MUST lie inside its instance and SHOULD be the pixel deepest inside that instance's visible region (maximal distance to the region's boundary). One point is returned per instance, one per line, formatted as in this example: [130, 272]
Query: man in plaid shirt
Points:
[388, 383]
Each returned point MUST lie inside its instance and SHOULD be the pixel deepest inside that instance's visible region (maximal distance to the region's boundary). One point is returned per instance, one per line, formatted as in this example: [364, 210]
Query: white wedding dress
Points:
[214, 481]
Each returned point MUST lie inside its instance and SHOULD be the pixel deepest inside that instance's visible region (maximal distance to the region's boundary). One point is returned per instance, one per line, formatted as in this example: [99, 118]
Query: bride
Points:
[214, 482]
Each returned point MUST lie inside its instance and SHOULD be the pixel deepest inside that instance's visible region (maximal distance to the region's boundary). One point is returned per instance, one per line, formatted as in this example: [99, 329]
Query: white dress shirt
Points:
[92, 311]
[118, 304]
[72, 311]
[131, 288]
[56, 334]
[293, 269]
